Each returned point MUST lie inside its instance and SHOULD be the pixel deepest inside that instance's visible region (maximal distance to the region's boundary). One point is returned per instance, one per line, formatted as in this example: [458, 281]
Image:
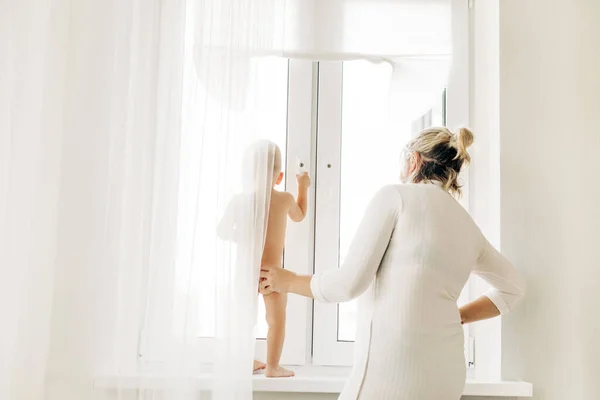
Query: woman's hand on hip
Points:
[276, 279]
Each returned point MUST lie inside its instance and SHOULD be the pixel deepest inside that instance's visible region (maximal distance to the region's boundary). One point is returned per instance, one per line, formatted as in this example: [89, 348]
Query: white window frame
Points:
[315, 106]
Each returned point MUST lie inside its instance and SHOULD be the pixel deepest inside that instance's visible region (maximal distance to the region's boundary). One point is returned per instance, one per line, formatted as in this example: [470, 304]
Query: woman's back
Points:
[431, 253]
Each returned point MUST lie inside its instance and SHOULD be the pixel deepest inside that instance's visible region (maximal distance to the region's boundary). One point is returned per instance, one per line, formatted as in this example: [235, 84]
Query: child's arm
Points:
[299, 207]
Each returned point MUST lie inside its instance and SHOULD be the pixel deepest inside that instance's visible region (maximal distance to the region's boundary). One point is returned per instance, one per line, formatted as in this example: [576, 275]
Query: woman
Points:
[410, 259]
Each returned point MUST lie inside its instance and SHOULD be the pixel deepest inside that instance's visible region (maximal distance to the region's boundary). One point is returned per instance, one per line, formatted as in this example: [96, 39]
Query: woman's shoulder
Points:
[389, 191]
[400, 189]
[388, 197]
[408, 195]
[401, 193]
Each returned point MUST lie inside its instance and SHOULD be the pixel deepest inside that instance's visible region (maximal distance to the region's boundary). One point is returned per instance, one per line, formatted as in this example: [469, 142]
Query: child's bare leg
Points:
[275, 305]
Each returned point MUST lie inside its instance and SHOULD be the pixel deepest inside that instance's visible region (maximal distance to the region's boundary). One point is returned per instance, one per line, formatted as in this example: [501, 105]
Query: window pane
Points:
[264, 111]
[370, 155]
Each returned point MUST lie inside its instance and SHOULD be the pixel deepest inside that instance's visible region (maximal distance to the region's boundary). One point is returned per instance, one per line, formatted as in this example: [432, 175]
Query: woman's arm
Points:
[508, 287]
[362, 261]
[478, 310]
[300, 284]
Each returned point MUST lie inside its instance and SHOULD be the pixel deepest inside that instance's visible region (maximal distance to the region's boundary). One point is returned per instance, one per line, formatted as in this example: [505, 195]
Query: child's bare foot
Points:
[258, 366]
[278, 372]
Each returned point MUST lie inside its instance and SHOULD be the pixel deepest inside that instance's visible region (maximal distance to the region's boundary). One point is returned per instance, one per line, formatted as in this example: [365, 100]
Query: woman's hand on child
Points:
[262, 290]
[276, 279]
[303, 180]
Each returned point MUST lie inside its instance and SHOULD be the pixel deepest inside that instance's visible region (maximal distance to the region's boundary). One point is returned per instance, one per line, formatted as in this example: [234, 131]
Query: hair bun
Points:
[463, 140]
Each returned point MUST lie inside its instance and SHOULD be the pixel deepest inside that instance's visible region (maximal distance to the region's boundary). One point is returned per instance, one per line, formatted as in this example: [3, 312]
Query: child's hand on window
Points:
[303, 180]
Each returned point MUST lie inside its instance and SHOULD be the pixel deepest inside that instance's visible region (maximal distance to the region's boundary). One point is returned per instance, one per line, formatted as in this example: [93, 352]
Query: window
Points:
[358, 149]
[333, 117]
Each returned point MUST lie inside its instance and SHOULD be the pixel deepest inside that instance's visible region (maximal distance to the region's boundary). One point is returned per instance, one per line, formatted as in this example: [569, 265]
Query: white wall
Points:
[550, 195]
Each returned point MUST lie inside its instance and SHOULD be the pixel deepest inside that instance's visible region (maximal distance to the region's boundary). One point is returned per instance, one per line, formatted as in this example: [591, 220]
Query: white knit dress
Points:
[409, 261]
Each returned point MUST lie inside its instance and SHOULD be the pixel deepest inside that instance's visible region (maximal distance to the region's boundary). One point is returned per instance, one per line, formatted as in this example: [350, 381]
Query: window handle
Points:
[300, 166]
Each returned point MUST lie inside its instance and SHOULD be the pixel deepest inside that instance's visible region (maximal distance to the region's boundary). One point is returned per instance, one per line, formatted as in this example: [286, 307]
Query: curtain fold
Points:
[131, 134]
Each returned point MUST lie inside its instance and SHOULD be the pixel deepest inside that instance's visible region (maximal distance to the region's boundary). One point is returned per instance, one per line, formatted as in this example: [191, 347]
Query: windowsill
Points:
[310, 380]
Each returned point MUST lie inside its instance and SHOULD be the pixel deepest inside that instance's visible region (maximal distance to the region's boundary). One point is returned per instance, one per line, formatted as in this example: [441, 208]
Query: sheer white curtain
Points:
[129, 129]
[91, 119]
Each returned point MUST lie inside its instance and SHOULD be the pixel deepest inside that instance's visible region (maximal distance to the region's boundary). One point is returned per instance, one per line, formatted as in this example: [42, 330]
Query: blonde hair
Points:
[442, 154]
